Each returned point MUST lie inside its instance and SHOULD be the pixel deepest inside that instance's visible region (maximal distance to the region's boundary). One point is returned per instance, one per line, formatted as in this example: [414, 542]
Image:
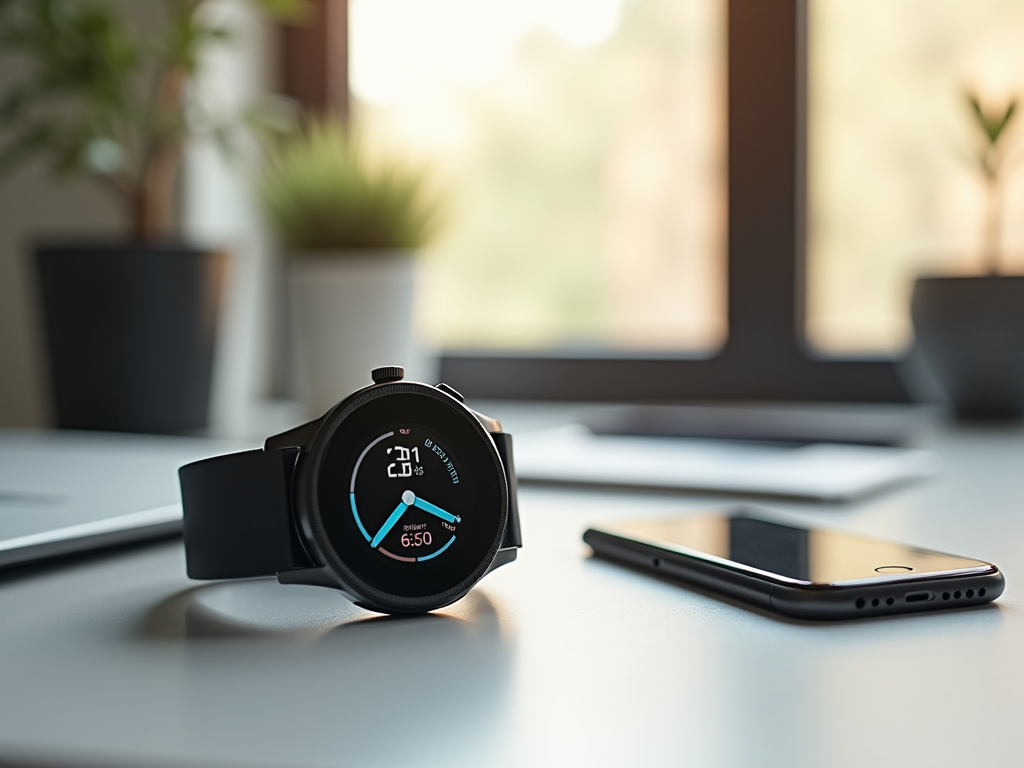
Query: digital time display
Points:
[406, 496]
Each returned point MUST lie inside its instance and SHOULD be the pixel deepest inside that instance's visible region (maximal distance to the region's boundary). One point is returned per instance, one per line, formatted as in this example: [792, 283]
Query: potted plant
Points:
[970, 329]
[352, 221]
[130, 322]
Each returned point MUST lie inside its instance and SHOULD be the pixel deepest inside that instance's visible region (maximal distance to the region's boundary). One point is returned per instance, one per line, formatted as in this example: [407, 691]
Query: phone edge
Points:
[813, 603]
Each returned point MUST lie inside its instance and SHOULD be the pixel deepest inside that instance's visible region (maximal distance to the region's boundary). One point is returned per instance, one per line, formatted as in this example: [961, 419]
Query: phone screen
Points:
[791, 553]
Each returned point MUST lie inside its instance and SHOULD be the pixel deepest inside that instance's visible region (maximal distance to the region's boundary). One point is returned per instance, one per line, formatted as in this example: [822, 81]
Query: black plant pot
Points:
[130, 330]
[970, 333]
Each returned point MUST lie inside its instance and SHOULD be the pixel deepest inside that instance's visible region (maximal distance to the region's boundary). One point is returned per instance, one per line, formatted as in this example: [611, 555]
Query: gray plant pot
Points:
[351, 312]
[970, 333]
[130, 332]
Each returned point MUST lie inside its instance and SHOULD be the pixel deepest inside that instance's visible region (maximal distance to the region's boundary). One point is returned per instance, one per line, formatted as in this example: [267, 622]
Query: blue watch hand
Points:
[407, 499]
[426, 506]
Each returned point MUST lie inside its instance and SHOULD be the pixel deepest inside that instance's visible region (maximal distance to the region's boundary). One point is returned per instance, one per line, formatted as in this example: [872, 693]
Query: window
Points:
[893, 186]
[582, 145]
[570, 345]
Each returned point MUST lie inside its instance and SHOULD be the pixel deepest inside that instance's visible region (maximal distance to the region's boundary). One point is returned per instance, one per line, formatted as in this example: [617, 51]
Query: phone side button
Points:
[893, 569]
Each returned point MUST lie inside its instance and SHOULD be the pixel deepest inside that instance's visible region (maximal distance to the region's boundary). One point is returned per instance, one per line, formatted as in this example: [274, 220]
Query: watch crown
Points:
[387, 374]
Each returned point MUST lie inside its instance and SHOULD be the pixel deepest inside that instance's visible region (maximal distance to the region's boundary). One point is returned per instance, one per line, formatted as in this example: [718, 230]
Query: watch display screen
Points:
[410, 495]
[407, 497]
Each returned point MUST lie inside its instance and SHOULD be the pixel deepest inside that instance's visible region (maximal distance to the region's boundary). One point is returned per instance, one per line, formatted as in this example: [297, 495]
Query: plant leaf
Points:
[993, 126]
[1004, 121]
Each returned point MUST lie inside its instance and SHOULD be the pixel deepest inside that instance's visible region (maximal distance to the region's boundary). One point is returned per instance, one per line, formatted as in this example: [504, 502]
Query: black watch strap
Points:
[237, 522]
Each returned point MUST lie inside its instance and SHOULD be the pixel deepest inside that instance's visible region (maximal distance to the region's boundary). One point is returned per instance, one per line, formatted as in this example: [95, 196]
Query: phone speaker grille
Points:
[917, 597]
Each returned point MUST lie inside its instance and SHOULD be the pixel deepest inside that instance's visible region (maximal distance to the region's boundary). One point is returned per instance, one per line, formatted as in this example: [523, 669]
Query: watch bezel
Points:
[311, 518]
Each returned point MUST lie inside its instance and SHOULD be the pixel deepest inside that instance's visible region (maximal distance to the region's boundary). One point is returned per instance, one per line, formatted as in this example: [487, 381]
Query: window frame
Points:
[766, 356]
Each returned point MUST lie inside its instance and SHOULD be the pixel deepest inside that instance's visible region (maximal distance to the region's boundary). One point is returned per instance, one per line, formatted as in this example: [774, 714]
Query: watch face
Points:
[408, 465]
[410, 495]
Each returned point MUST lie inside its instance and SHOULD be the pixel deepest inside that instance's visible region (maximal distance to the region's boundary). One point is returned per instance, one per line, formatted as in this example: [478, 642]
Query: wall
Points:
[220, 210]
[33, 206]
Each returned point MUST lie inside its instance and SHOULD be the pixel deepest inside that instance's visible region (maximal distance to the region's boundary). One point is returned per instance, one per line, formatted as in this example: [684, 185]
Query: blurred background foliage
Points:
[325, 191]
[104, 99]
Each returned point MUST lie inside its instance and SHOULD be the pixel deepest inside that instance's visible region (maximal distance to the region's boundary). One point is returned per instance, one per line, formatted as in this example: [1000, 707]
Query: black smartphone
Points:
[805, 573]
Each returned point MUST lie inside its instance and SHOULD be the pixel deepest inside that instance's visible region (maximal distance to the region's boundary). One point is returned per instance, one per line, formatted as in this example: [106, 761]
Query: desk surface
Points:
[559, 659]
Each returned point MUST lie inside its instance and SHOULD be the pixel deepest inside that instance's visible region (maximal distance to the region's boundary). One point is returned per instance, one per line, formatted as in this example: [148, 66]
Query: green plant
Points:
[991, 160]
[102, 99]
[325, 191]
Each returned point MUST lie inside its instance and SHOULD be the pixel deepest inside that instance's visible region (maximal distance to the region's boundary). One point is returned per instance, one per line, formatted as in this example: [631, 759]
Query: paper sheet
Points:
[817, 471]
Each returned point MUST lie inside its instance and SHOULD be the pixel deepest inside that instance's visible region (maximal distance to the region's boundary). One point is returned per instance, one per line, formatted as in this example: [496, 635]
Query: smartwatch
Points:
[400, 497]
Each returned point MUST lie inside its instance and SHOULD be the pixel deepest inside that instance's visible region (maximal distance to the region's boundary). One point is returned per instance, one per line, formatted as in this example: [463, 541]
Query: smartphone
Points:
[804, 573]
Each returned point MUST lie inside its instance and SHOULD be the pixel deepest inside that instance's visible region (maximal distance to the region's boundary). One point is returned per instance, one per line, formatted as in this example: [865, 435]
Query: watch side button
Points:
[450, 391]
[387, 373]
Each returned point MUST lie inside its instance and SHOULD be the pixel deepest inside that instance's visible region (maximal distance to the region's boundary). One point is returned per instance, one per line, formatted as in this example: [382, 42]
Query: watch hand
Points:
[426, 506]
[407, 499]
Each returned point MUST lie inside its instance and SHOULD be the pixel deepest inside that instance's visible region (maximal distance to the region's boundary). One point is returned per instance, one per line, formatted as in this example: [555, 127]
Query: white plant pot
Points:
[351, 313]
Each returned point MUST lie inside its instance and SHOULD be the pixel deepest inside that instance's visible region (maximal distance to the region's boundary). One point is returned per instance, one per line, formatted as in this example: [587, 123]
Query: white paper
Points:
[819, 471]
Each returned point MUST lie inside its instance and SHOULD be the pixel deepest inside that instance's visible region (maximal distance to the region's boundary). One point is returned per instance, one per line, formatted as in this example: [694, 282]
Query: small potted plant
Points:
[970, 329]
[352, 221]
[129, 322]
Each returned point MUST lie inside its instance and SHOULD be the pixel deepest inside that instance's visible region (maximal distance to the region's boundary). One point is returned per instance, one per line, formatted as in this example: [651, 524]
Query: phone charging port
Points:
[919, 597]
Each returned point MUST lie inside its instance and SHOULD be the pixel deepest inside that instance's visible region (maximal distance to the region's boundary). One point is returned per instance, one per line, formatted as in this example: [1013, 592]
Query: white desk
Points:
[558, 659]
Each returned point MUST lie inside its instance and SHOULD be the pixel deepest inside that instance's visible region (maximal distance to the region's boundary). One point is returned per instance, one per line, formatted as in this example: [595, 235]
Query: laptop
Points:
[64, 492]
